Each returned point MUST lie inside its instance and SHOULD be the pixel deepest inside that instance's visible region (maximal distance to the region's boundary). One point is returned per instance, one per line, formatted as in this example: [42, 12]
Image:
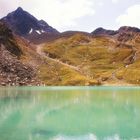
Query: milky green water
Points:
[70, 113]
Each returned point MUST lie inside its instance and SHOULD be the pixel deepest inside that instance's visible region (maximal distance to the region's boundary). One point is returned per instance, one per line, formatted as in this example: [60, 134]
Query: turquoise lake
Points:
[70, 113]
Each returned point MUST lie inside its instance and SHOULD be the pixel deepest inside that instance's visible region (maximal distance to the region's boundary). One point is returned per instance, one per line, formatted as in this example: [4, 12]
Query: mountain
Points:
[102, 31]
[24, 24]
[123, 34]
[33, 53]
[36, 31]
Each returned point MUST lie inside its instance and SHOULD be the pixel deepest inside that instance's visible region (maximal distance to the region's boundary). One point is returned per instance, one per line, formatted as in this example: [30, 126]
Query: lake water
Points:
[70, 113]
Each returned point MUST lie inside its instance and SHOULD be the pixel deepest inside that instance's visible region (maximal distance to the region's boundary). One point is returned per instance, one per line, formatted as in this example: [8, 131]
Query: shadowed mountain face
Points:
[24, 24]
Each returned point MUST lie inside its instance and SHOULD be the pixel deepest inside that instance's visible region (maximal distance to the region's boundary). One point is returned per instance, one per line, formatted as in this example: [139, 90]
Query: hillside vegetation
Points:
[98, 59]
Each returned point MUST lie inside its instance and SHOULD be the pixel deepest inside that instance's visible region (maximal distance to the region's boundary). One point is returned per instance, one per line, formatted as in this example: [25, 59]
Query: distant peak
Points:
[19, 9]
[102, 31]
[128, 29]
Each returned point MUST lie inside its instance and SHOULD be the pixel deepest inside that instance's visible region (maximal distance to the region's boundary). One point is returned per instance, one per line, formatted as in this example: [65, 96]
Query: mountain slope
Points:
[103, 59]
[15, 68]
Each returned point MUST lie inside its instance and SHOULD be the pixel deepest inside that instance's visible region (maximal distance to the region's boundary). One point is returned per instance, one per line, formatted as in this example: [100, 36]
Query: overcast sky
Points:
[84, 15]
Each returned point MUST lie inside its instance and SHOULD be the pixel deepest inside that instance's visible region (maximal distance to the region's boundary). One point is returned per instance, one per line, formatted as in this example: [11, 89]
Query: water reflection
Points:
[69, 113]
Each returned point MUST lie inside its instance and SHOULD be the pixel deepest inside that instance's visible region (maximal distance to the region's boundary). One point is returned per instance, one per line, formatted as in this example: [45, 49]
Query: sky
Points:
[81, 15]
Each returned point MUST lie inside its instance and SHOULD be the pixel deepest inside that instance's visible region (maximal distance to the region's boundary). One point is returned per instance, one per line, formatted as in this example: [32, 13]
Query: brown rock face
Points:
[12, 70]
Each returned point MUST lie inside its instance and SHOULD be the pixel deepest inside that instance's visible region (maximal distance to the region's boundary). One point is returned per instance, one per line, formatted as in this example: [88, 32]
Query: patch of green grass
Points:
[56, 74]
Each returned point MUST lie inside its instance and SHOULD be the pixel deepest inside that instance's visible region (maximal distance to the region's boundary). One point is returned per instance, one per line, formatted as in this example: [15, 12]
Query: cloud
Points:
[131, 17]
[58, 13]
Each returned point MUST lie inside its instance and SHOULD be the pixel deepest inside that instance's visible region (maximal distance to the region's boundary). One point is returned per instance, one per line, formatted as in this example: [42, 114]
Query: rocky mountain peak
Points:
[19, 9]
[24, 24]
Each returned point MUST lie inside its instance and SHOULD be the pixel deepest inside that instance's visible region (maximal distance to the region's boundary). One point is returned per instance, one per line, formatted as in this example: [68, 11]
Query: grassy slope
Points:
[53, 73]
[100, 59]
